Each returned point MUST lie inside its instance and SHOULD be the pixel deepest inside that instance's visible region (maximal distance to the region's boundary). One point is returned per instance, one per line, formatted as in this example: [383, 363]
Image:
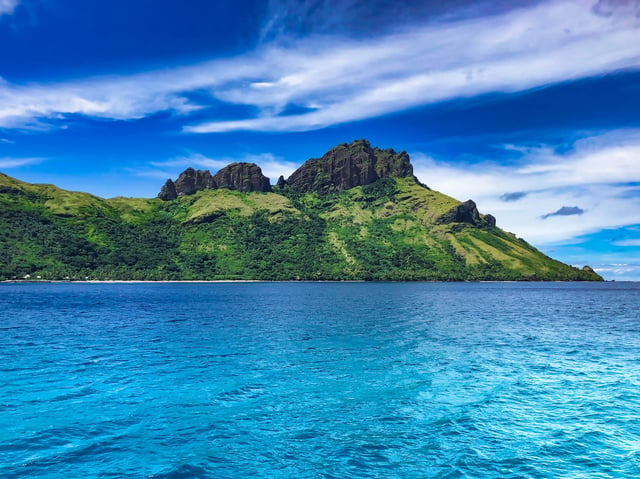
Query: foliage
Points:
[382, 231]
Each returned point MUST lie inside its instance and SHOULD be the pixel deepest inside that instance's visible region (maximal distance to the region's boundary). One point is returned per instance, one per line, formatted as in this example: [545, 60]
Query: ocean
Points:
[320, 380]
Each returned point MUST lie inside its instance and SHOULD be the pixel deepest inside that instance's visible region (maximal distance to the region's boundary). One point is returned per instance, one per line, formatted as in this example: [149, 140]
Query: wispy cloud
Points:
[515, 51]
[335, 79]
[620, 271]
[8, 162]
[8, 6]
[629, 242]
[193, 160]
[271, 165]
[600, 173]
[609, 8]
[286, 18]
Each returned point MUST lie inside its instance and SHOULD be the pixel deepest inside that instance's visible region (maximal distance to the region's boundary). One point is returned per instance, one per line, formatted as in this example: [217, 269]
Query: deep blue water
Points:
[327, 380]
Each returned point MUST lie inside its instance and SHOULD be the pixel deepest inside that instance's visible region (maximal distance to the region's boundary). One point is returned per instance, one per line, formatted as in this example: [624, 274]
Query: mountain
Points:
[356, 213]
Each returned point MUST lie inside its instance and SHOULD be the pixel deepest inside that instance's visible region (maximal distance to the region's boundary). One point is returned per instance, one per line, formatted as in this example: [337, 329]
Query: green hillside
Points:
[389, 229]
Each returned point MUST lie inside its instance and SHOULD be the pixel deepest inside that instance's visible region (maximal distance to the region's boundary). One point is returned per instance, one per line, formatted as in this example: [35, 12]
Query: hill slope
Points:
[348, 222]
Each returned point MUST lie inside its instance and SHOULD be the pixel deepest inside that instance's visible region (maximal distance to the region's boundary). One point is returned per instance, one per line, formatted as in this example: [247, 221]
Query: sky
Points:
[530, 108]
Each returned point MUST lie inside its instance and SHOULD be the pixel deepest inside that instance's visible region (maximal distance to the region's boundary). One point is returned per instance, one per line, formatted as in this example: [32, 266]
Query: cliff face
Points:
[244, 177]
[168, 191]
[192, 180]
[347, 166]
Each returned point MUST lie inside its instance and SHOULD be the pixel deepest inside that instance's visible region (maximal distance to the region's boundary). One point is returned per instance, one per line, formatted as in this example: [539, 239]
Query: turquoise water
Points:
[327, 380]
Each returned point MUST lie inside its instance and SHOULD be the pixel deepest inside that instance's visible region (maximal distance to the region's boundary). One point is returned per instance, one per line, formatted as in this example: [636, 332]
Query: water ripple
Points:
[319, 380]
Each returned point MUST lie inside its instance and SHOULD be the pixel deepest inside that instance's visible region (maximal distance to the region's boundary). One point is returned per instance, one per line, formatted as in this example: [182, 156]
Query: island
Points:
[355, 213]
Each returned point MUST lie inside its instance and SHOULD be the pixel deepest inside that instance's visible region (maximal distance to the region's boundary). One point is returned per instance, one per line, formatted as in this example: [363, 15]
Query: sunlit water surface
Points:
[327, 380]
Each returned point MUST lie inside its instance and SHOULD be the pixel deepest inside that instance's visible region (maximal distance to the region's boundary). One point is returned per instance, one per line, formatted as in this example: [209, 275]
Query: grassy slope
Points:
[396, 235]
[382, 231]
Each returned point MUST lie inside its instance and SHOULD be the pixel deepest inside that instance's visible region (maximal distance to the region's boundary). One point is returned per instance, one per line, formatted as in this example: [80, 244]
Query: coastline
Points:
[192, 281]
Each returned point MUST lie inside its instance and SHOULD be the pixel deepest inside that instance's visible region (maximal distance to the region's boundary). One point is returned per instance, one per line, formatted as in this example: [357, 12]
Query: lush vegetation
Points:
[383, 231]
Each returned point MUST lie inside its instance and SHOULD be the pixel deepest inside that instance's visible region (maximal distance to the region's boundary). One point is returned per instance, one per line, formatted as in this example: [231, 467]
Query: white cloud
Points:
[158, 173]
[340, 80]
[194, 160]
[271, 165]
[629, 242]
[8, 162]
[619, 272]
[8, 6]
[600, 175]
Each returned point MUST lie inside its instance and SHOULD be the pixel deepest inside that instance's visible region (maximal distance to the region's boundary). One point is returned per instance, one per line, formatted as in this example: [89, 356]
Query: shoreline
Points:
[137, 281]
[192, 281]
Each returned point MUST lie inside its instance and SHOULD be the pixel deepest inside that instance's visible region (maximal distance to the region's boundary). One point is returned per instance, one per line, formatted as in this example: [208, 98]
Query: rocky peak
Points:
[191, 180]
[245, 177]
[347, 166]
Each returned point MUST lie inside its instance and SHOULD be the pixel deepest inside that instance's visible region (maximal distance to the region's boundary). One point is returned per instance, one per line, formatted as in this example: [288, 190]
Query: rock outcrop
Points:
[245, 177]
[168, 191]
[347, 166]
[467, 212]
[191, 180]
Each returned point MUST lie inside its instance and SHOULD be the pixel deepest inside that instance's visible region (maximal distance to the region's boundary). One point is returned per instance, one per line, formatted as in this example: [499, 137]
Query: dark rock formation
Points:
[467, 212]
[341, 168]
[347, 166]
[243, 177]
[191, 180]
[168, 191]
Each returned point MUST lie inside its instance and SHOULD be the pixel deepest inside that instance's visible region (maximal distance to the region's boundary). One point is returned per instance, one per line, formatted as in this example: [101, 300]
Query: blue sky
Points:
[530, 108]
